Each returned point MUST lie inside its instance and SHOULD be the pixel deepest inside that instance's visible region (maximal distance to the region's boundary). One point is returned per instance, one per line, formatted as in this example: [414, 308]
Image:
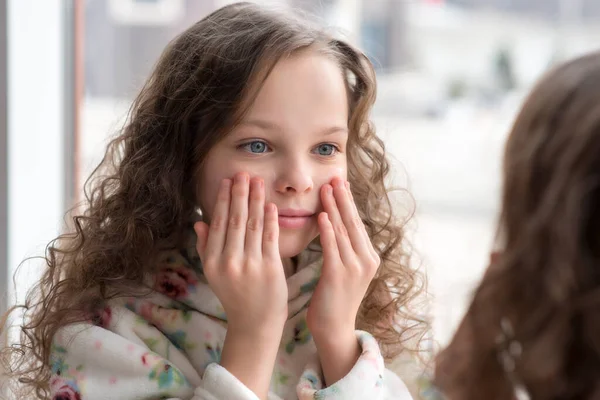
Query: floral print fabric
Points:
[167, 345]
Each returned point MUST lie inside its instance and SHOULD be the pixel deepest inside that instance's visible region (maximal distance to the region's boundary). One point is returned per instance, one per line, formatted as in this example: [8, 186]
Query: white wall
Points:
[35, 133]
[3, 169]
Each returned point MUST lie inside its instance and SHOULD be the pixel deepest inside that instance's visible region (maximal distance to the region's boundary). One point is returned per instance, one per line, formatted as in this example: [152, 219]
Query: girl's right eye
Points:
[255, 147]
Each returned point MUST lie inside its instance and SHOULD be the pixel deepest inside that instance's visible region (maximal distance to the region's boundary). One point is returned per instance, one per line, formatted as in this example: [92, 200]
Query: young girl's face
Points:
[294, 137]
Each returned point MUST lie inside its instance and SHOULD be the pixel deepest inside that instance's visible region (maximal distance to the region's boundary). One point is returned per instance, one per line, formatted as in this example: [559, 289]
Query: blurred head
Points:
[545, 279]
[244, 80]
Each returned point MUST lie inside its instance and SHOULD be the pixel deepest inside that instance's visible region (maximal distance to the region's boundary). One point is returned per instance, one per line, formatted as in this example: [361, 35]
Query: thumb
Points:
[201, 229]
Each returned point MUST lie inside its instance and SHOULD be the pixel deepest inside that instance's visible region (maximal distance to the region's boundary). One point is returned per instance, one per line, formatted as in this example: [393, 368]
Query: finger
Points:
[364, 232]
[331, 255]
[218, 223]
[238, 216]
[270, 245]
[350, 218]
[256, 215]
[201, 229]
[346, 251]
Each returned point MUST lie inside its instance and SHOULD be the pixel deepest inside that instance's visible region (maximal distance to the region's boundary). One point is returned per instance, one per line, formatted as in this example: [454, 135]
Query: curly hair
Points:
[142, 194]
[545, 279]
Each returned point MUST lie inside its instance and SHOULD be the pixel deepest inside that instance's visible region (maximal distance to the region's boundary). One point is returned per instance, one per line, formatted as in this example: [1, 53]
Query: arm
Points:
[337, 354]
[251, 358]
[349, 265]
[242, 264]
[367, 378]
[87, 360]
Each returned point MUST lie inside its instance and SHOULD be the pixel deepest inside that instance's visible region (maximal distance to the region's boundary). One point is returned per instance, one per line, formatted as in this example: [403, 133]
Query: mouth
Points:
[294, 219]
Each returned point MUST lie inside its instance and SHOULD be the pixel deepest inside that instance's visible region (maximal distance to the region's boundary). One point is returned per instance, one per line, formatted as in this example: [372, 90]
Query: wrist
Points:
[335, 340]
[265, 332]
[333, 335]
[337, 353]
[250, 357]
[260, 339]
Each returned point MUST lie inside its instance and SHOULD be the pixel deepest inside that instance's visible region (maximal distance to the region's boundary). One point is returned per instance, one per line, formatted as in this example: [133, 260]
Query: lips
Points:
[294, 218]
[291, 212]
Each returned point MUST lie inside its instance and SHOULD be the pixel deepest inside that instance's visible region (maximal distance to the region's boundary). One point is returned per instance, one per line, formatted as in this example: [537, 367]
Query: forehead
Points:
[306, 87]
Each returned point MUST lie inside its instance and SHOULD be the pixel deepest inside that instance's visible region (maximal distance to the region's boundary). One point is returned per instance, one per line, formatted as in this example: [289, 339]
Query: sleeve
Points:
[220, 384]
[89, 362]
[368, 379]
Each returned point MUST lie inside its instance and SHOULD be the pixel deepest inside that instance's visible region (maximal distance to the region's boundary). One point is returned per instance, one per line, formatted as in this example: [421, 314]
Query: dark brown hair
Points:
[545, 280]
[142, 194]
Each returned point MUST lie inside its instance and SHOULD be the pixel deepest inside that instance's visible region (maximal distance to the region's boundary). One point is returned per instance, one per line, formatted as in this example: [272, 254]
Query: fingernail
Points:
[226, 183]
[328, 189]
[347, 185]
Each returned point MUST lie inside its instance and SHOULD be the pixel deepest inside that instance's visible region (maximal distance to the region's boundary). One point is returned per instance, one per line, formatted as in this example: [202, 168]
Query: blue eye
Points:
[255, 147]
[326, 149]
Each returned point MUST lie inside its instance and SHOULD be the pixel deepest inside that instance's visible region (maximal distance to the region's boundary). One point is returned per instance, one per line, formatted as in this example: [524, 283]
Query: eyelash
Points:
[244, 146]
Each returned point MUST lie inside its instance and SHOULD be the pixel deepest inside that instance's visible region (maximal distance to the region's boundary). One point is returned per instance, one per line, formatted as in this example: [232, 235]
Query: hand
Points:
[349, 264]
[240, 256]
[241, 262]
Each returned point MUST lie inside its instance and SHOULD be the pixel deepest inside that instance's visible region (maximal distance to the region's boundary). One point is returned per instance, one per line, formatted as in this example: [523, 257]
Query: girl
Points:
[532, 330]
[242, 235]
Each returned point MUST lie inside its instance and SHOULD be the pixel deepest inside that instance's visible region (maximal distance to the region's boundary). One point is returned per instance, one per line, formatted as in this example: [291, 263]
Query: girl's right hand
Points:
[240, 258]
[241, 261]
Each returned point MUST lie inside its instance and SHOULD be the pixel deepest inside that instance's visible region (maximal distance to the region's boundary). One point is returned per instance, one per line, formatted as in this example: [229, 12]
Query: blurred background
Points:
[452, 75]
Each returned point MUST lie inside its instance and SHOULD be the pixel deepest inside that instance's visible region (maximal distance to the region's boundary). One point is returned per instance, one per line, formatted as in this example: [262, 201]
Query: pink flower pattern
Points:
[63, 390]
[175, 281]
[103, 317]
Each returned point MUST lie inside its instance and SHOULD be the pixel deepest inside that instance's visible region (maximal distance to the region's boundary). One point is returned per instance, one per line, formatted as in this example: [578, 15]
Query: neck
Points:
[289, 266]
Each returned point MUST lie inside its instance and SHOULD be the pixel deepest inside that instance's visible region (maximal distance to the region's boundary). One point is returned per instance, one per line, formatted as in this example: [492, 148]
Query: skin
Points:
[288, 152]
[301, 106]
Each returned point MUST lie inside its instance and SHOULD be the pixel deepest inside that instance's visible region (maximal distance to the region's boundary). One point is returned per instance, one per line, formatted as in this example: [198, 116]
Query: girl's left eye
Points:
[326, 149]
[256, 147]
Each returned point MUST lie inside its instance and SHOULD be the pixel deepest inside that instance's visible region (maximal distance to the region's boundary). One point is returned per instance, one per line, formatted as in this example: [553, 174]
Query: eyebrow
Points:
[270, 126]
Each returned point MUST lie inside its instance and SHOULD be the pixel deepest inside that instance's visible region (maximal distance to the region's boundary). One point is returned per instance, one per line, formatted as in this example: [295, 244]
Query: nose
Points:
[294, 178]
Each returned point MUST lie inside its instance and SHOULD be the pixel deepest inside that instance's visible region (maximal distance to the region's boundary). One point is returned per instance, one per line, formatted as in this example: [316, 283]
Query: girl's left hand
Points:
[349, 264]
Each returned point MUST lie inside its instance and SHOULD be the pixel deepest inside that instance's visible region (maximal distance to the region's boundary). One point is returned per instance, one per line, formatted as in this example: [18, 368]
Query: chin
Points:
[292, 245]
[288, 250]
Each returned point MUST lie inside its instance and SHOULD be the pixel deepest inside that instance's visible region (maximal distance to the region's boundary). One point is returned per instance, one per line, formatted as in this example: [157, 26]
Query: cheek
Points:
[206, 194]
[327, 175]
[209, 184]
